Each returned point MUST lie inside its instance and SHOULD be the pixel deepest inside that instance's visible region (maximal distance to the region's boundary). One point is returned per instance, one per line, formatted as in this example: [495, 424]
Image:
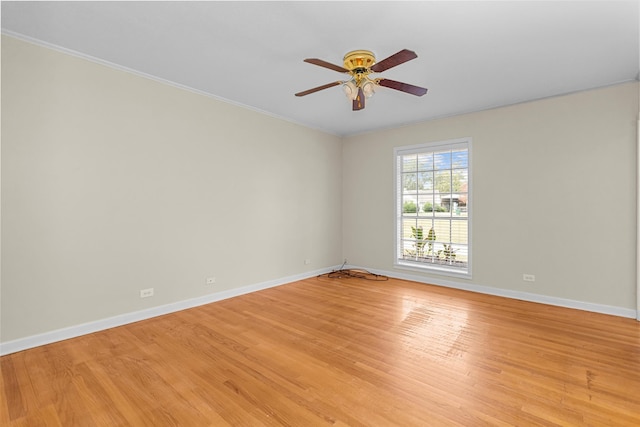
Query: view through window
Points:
[433, 206]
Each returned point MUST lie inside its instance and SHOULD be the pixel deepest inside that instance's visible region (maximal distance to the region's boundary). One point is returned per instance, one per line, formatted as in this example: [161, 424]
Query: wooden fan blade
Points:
[396, 59]
[358, 103]
[403, 87]
[316, 89]
[325, 64]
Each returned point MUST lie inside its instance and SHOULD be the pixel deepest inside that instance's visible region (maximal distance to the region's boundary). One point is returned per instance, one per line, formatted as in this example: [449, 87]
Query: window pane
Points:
[426, 224]
[442, 230]
[459, 232]
[443, 182]
[425, 162]
[426, 180]
[409, 182]
[460, 180]
[407, 223]
[460, 159]
[409, 206]
[462, 253]
[442, 160]
[463, 205]
[409, 163]
[407, 241]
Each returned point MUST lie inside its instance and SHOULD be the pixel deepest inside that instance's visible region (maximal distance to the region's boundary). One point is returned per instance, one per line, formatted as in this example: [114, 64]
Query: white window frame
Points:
[398, 200]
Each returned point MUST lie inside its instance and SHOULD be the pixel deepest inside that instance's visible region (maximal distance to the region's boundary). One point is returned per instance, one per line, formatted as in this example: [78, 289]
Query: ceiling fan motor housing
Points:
[359, 60]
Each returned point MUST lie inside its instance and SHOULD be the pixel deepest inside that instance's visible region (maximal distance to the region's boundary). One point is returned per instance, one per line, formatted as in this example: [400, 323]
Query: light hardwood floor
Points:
[338, 352]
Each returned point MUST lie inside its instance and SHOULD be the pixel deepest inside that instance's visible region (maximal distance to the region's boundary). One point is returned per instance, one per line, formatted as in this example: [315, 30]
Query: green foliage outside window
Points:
[409, 207]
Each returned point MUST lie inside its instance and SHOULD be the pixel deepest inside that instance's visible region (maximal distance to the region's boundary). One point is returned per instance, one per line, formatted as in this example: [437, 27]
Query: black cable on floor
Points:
[354, 274]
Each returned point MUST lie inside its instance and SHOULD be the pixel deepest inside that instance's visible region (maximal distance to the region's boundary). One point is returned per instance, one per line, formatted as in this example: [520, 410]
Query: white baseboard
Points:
[123, 319]
[32, 341]
[524, 296]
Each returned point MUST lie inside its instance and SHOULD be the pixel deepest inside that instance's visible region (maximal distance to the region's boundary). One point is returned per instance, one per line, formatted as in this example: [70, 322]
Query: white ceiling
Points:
[471, 55]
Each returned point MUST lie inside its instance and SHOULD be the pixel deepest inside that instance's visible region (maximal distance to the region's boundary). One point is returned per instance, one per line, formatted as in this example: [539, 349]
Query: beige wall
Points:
[554, 195]
[112, 183]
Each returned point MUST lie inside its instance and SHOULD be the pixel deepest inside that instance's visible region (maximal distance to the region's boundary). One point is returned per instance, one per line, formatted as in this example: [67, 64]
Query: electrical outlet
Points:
[146, 293]
[211, 280]
[307, 261]
[528, 277]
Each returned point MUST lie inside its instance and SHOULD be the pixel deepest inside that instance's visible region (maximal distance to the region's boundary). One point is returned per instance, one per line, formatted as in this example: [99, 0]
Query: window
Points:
[434, 207]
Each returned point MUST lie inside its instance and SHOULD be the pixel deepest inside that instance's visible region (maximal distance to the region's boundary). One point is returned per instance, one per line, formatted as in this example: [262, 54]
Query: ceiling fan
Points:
[359, 64]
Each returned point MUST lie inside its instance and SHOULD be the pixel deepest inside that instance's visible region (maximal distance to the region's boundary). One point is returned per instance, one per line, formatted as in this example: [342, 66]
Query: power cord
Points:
[351, 273]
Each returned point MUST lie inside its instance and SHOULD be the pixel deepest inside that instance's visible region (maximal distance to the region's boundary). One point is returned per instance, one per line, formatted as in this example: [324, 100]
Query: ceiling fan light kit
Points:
[369, 88]
[350, 89]
[359, 64]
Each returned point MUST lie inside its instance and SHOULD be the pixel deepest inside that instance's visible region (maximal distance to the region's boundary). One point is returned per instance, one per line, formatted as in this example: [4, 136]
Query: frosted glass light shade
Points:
[350, 89]
[369, 89]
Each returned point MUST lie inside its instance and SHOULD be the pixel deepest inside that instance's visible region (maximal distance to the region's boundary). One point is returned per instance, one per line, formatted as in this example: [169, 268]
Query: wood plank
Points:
[342, 352]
